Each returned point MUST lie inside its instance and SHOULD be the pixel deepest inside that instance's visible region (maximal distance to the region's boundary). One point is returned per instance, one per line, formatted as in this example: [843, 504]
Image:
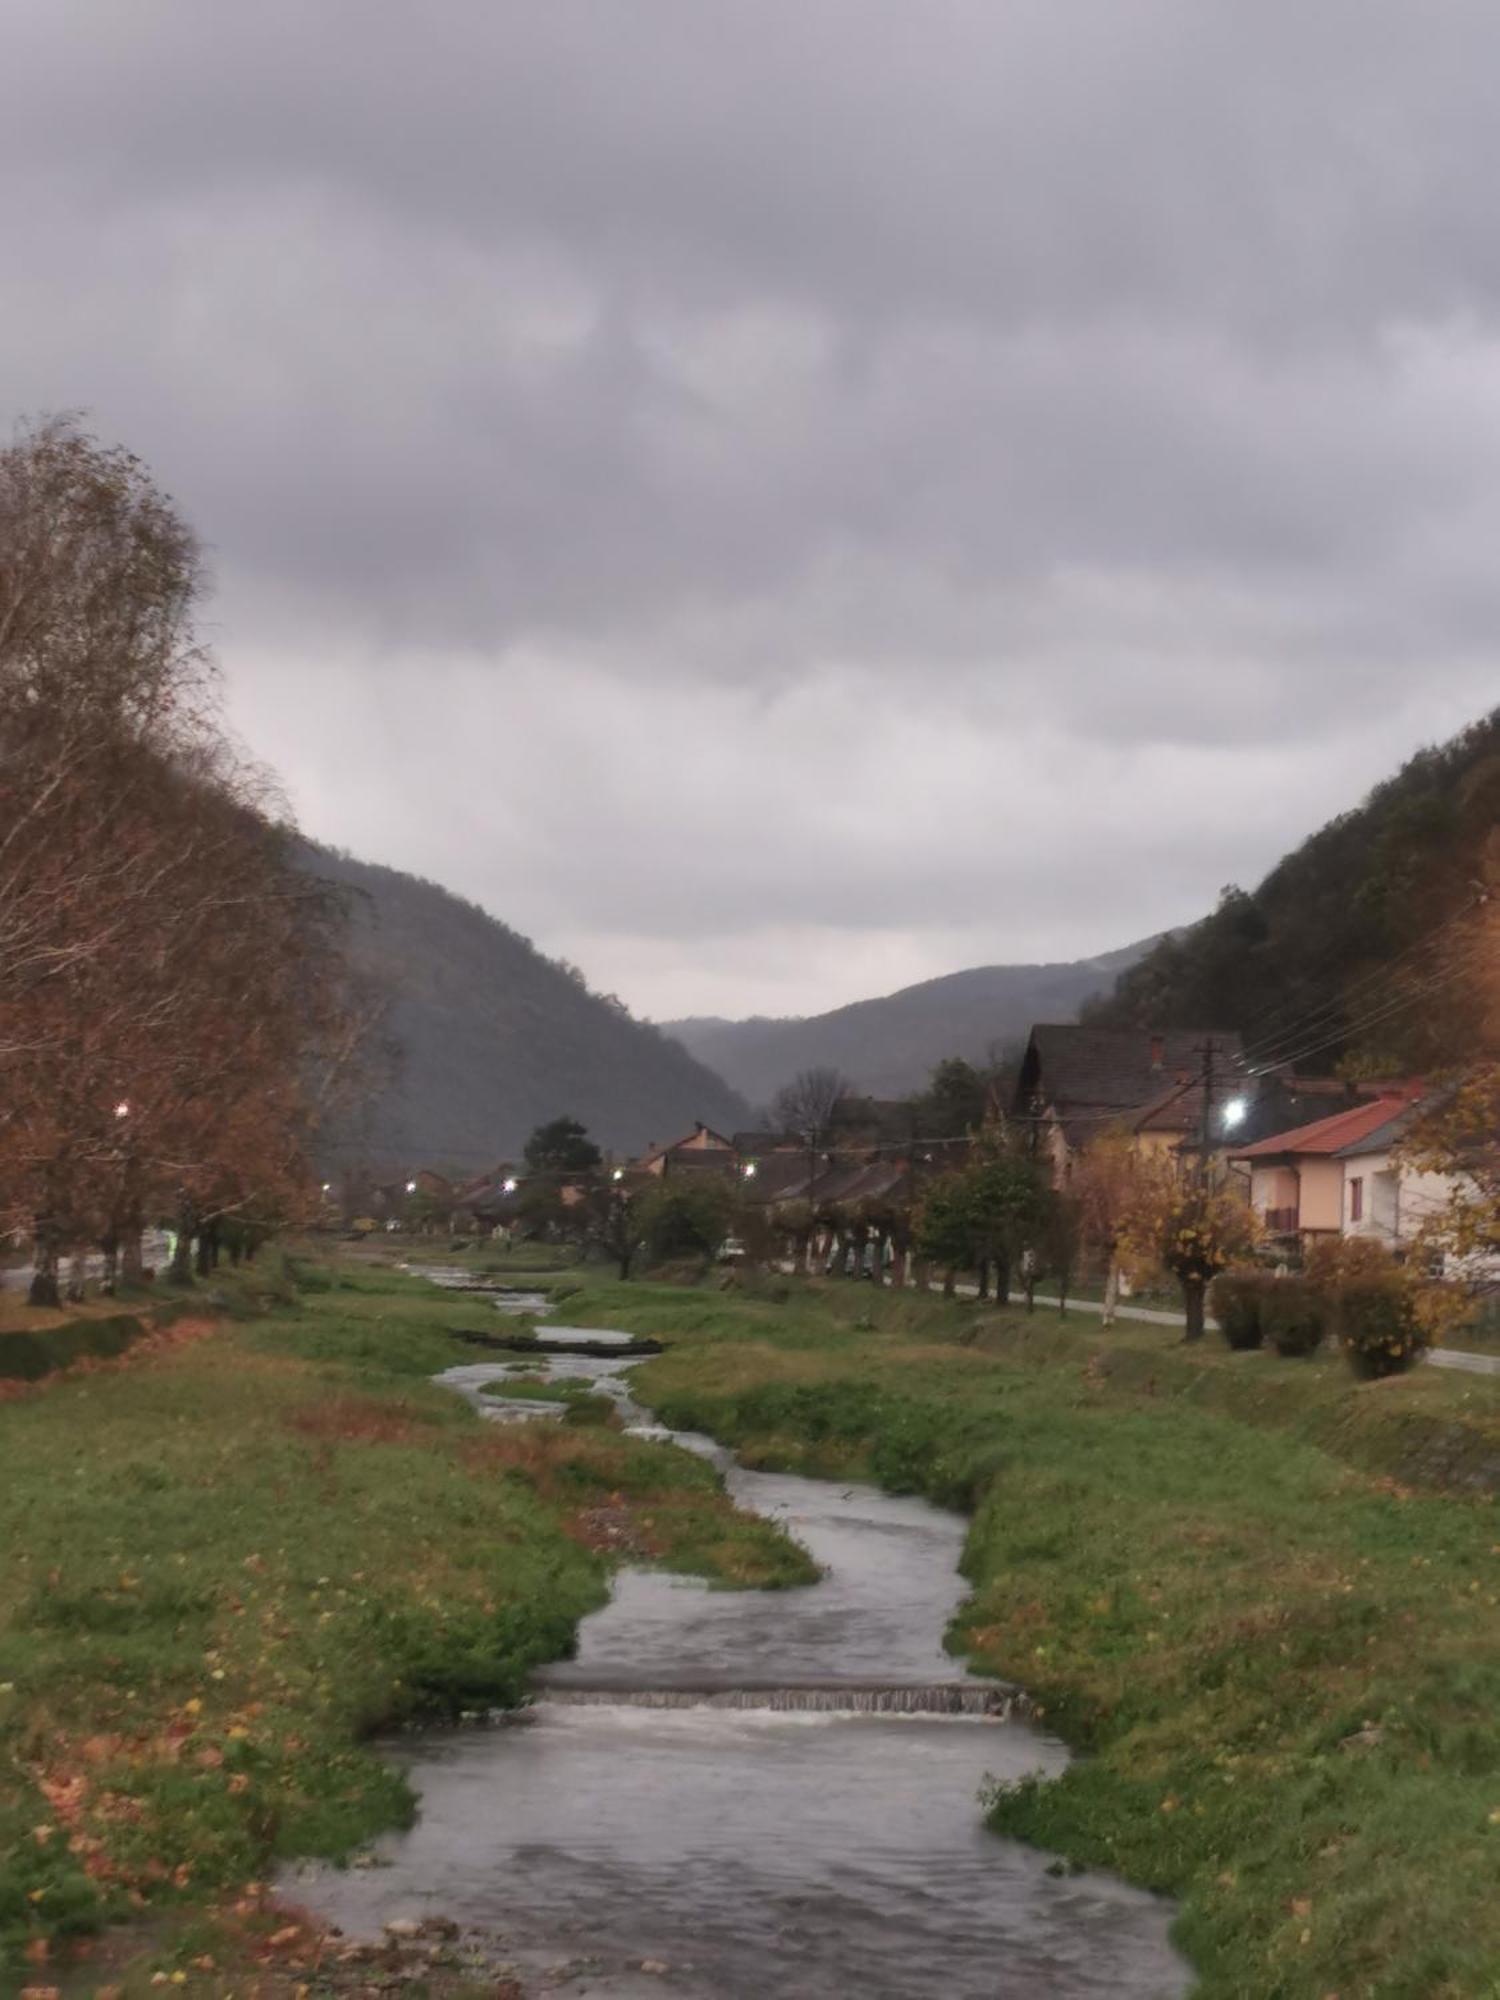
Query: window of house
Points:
[1356, 1201]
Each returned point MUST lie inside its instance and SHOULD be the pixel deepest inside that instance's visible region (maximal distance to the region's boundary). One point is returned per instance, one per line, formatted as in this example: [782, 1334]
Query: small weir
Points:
[955, 1698]
[733, 1795]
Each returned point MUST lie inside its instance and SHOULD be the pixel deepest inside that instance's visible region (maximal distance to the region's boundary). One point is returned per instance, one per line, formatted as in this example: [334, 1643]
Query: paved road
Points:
[155, 1249]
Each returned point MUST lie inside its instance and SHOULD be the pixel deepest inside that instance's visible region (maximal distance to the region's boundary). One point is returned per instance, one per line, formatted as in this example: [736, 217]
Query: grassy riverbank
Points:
[226, 1560]
[1212, 1574]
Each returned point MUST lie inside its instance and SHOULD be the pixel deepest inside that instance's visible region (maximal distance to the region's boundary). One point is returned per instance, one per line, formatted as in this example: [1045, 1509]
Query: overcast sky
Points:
[782, 498]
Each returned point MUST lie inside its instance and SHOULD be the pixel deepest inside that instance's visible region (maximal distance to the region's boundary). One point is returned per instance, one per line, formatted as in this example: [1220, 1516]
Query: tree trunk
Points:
[109, 1283]
[1111, 1292]
[182, 1250]
[132, 1264]
[1193, 1290]
[984, 1278]
[78, 1265]
[44, 1290]
[1002, 1281]
[208, 1249]
[950, 1284]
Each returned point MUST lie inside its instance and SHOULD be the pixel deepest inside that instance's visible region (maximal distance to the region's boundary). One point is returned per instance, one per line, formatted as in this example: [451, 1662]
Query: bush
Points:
[1293, 1315]
[26, 1357]
[1331, 1262]
[1236, 1304]
[684, 1220]
[1378, 1327]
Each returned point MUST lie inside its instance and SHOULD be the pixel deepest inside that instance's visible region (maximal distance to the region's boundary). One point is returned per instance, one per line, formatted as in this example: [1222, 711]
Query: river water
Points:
[740, 1791]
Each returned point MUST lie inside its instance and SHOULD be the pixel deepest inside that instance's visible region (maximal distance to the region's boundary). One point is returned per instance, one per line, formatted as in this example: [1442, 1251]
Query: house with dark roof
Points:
[1076, 1082]
[698, 1149]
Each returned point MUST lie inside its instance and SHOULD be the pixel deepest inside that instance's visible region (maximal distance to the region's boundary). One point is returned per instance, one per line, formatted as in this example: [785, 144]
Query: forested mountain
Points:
[887, 1046]
[1361, 948]
[493, 1038]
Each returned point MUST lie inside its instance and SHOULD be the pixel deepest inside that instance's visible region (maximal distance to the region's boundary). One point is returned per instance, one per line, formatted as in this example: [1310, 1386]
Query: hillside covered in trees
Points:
[490, 1038]
[888, 1045]
[1361, 949]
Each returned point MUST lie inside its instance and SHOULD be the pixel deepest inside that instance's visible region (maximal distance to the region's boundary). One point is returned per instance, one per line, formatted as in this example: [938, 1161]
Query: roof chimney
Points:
[1158, 1051]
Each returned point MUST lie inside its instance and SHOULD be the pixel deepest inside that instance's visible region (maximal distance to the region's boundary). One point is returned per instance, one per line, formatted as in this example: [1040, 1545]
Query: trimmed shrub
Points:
[1378, 1327]
[26, 1357]
[1235, 1301]
[1293, 1316]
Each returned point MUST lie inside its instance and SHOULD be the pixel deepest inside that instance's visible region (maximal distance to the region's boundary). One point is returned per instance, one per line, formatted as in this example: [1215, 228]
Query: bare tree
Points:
[808, 1106]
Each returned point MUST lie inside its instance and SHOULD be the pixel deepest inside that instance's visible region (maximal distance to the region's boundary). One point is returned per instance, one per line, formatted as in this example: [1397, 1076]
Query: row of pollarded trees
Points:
[1000, 1216]
[173, 1005]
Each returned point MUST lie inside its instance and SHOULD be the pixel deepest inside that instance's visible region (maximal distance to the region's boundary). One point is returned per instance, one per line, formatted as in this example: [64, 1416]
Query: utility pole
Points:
[1208, 1050]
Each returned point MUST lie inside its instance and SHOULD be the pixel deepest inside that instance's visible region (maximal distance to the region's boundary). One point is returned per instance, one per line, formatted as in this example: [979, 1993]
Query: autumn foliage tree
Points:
[1188, 1228]
[172, 997]
[1459, 1134]
[1104, 1190]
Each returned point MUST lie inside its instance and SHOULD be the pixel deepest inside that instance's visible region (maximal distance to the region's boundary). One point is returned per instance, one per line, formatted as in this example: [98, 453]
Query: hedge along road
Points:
[1440, 1357]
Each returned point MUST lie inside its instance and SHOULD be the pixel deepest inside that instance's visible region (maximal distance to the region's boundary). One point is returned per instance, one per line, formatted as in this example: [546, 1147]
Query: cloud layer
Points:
[779, 501]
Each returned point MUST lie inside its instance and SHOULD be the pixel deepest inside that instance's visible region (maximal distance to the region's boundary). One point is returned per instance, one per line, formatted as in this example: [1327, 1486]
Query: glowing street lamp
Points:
[508, 1186]
[749, 1170]
[1235, 1112]
[122, 1109]
[411, 1187]
[618, 1174]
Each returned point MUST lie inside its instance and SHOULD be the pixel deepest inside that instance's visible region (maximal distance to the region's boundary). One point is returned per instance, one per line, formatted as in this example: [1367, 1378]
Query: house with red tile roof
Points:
[1298, 1178]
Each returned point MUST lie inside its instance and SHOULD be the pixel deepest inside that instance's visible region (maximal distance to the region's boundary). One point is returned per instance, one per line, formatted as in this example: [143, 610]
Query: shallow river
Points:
[710, 1790]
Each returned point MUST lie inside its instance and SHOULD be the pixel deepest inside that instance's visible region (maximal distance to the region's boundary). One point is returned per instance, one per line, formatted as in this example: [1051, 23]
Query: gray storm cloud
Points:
[781, 500]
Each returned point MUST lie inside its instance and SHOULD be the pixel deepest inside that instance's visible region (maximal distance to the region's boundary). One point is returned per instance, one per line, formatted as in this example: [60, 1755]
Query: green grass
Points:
[536, 1389]
[1217, 1575]
[225, 1563]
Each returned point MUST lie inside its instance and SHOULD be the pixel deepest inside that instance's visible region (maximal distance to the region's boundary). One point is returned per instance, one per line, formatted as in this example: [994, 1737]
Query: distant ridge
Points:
[887, 1046]
[495, 1038]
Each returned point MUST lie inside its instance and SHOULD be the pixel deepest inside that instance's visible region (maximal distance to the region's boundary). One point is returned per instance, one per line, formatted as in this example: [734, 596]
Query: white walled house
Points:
[1385, 1198]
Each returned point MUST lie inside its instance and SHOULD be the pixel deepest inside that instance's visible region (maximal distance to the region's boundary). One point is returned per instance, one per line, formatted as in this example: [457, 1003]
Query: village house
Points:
[1385, 1197]
[1317, 1178]
[700, 1148]
[1077, 1082]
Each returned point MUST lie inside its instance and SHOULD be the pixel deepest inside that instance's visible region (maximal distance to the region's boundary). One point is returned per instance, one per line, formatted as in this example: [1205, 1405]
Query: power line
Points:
[1381, 1014]
[1289, 1022]
[1296, 1026]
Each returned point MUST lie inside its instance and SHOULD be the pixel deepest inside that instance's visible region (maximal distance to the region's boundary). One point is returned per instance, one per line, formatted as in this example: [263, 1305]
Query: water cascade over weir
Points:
[832, 1698]
[732, 1794]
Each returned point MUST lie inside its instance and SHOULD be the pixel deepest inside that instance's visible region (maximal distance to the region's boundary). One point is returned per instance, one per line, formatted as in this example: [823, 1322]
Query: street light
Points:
[1234, 1113]
[411, 1187]
[122, 1109]
[749, 1170]
[618, 1174]
[508, 1186]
